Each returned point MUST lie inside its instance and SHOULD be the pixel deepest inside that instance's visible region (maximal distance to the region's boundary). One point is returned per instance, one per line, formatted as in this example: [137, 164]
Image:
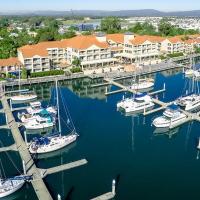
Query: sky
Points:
[162, 5]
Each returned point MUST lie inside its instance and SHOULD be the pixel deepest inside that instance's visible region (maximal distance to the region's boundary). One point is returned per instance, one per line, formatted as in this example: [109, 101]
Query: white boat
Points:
[139, 102]
[22, 98]
[189, 102]
[141, 85]
[49, 144]
[197, 74]
[10, 185]
[52, 143]
[38, 123]
[171, 118]
[189, 72]
[36, 107]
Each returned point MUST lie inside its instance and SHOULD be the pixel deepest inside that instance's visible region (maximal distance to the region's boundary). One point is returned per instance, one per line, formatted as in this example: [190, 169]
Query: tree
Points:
[165, 28]
[76, 62]
[111, 25]
[24, 73]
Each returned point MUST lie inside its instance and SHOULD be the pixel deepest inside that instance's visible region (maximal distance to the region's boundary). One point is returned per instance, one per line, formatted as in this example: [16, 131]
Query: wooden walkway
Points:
[31, 169]
[39, 186]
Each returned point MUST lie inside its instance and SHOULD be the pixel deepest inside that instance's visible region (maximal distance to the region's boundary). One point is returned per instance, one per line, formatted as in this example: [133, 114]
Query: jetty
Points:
[30, 167]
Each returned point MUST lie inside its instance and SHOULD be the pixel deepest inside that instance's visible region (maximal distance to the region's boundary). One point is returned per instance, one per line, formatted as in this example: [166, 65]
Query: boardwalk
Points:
[38, 184]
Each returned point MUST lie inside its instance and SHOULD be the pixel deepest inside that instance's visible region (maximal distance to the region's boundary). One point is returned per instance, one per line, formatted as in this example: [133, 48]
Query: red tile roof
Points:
[10, 62]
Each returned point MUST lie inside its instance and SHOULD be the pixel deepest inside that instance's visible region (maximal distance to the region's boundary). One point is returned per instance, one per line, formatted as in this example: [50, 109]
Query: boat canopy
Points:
[26, 178]
[173, 107]
[140, 95]
[41, 141]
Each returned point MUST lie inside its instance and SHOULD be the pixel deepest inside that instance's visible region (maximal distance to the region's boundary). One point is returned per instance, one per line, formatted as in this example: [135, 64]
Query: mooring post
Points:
[25, 137]
[113, 187]
[24, 166]
[59, 197]
[11, 105]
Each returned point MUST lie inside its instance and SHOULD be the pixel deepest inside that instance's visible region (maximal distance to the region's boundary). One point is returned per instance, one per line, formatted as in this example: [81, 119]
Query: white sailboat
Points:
[10, 185]
[171, 118]
[139, 102]
[191, 101]
[55, 142]
[23, 97]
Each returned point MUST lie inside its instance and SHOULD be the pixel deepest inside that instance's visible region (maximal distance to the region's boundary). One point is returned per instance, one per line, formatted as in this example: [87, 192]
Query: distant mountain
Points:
[102, 13]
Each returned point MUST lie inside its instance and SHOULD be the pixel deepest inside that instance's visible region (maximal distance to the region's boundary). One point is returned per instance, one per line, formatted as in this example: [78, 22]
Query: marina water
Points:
[145, 163]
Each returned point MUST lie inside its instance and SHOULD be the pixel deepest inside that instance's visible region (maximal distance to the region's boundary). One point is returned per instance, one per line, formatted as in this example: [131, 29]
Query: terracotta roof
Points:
[118, 37]
[40, 49]
[141, 39]
[175, 39]
[84, 42]
[10, 62]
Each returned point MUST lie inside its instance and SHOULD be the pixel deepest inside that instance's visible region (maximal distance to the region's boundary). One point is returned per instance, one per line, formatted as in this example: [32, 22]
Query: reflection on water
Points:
[165, 131]
[114, 144]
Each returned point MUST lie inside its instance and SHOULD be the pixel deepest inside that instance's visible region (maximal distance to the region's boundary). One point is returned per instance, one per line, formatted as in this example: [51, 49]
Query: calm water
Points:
[146, 165]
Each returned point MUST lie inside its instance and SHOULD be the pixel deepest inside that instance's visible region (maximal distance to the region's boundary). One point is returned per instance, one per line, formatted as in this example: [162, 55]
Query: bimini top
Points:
[140, 95]
[173, 107]
[41, 141]
[44, 113]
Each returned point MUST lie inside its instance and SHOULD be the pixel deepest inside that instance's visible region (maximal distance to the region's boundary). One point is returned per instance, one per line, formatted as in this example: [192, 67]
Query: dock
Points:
[105, 196]
[9, 148]
[63, 167]
[31, 169]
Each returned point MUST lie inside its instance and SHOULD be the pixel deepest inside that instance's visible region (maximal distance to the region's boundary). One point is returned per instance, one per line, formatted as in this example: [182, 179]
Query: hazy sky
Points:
[163, 5]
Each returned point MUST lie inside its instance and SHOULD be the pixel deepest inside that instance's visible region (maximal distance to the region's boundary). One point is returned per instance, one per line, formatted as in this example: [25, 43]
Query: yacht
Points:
[140, 102]
[22, 98]
[26, 117]
[55, 142]
[189, 102]
[171, 118]
[36, 107]
[190, 72]
[38, 122]
[142, 84]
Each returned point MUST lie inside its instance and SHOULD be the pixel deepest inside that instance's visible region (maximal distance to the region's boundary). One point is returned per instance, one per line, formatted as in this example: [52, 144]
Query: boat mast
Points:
[19, 79]
[59, 123]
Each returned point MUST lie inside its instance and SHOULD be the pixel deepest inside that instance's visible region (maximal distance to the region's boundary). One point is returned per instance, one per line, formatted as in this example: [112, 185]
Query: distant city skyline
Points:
[62, 5]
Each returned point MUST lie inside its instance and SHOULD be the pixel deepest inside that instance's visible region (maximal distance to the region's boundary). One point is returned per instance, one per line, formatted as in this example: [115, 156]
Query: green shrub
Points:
[76, 70]
[47, 73]
[173, 55]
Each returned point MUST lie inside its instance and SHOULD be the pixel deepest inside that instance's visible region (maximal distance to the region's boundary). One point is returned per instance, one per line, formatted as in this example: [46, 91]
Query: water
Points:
[146, 165]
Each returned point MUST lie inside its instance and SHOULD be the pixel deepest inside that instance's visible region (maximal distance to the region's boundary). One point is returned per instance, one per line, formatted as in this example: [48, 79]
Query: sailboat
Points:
[54, 142]
[191, 101]
[23, 97]
[10, 185]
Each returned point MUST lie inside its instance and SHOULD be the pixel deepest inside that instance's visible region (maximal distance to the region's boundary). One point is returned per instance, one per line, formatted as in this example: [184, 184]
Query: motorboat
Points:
[189, 102]
[36, 107]
[171, 118]
[23, 98]
[142, 84]
[38, 122]
[139, 102]
[190, 72]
